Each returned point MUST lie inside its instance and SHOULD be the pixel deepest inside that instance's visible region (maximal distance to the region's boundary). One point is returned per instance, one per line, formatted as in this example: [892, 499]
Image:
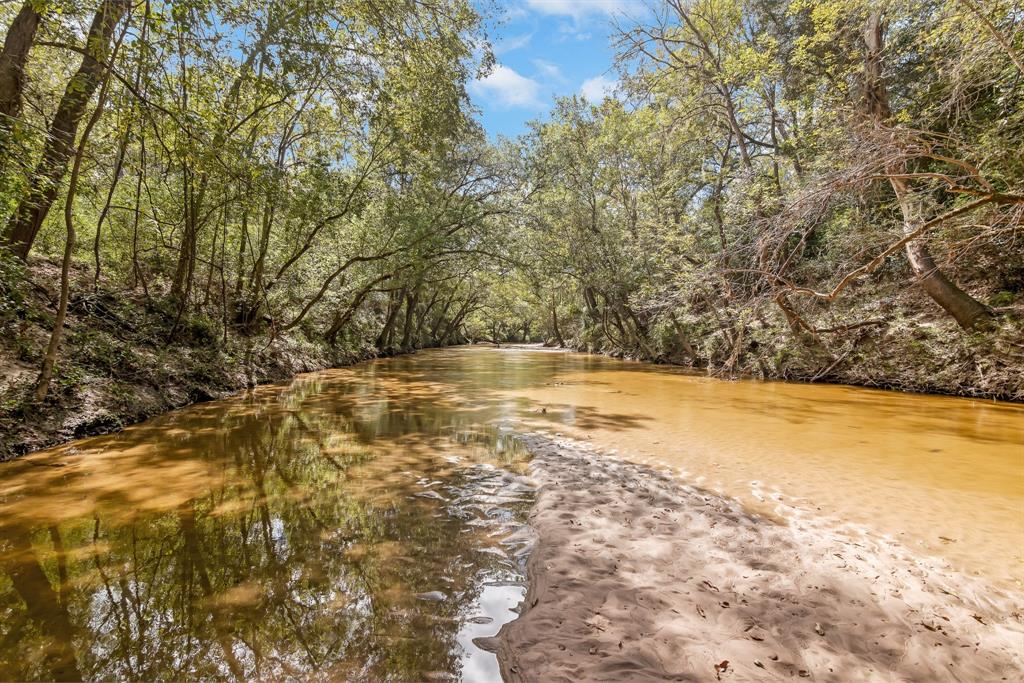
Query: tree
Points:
[21, 35]
[45, 181]
[968, 311]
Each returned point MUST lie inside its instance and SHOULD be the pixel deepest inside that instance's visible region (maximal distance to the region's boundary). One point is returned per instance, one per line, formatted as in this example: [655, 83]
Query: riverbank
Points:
[90, 400]
[913, 350]
[637, 576]
[120, 363]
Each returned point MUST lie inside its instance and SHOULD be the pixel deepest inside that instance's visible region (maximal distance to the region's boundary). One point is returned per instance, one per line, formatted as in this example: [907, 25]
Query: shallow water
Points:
[336, 527]
[366, 523]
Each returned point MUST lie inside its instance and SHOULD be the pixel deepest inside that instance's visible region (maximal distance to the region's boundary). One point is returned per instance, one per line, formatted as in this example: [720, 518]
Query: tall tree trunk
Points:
[181, 284]
[60, 142]
[138, 277]
[119, 164]
[243, 240]
[199, 183]
[967, 310]
[394, 305]
[118, 168]
[50, 359]
[411, 300]
[20, 36]
[554, 322]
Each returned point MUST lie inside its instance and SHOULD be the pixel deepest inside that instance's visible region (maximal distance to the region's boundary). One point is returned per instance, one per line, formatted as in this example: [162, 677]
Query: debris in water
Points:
[432, 596]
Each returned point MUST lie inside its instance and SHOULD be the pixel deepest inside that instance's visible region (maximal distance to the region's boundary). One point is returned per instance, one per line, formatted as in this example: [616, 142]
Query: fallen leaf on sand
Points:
[598, 622]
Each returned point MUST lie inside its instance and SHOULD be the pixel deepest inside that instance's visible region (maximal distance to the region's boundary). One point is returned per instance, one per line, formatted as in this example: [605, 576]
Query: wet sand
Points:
[638, 576]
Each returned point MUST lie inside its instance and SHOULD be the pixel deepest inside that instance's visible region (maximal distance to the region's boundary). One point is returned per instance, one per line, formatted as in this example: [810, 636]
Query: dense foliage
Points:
[827, 190]
[794, 189]
[255, 169]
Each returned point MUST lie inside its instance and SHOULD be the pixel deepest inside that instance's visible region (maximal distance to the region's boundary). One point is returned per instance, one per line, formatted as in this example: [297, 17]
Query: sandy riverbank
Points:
[636, 576]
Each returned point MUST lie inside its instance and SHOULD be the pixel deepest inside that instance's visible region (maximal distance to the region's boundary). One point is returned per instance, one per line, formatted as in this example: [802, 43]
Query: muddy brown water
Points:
[367, 523]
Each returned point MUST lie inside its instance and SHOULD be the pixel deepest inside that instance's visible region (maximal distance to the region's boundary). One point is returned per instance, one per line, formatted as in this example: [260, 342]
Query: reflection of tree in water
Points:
[306, 555]
[45, 611]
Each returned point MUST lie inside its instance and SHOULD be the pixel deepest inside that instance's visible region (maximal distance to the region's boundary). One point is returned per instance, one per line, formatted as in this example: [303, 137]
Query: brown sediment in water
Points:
[636, 576]
[265, 525]
[943, 475]
[337, 529]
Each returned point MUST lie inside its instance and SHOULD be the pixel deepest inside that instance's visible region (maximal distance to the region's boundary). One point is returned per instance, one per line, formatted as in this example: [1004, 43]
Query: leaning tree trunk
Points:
[60, 142]
[20, 36]
[342, 318]
[411, 300]
[435, 328]
[422, 321]
[967, 310]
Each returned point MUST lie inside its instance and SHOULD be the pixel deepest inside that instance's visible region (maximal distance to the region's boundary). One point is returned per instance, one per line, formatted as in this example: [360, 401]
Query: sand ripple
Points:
[636, 576]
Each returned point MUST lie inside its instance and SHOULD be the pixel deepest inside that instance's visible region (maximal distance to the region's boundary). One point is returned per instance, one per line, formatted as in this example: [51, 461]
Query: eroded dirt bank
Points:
[636, 576]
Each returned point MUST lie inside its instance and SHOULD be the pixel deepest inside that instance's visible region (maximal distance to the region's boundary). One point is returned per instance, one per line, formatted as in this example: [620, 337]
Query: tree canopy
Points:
[778, 187]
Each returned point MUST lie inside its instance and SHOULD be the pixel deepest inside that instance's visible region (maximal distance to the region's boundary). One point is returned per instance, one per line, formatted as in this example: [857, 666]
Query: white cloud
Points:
[507, 88]
[515, 13]
[577, 8]
[597, 88]
[512, 43]
[549, 71]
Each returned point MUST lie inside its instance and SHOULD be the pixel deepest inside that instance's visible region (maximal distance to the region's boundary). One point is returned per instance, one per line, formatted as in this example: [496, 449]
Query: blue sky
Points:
[544, 49]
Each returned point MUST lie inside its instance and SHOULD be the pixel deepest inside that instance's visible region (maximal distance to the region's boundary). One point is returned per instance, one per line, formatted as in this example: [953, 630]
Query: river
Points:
[368, 523]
